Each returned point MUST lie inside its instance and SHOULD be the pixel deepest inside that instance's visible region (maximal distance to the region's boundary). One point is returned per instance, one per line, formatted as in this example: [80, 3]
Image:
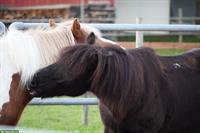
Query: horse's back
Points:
[195, 54]
[189, 59]
[183, 79]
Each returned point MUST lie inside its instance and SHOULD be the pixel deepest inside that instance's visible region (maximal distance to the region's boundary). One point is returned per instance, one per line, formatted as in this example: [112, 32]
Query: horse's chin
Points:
[35, 93]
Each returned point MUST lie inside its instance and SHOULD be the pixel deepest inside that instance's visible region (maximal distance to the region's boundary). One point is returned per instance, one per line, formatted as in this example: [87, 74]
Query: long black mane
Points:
[124, 75]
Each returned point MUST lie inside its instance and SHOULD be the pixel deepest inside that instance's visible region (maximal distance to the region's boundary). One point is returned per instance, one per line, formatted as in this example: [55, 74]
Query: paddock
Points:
[109, 27]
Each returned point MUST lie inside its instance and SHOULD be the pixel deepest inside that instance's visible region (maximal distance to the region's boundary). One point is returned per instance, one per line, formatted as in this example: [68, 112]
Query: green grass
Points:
[9, 131]
[160, 38]
[61, 118]
[167, 52]
[69, 118]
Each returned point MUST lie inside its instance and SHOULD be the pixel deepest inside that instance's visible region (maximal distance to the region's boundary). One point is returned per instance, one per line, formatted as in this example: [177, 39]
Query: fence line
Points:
[68, 101]
[64, 101]
[121, 27]
[45, 20]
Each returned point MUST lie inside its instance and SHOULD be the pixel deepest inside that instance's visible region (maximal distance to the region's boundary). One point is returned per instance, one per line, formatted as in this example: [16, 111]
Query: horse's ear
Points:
[91, 39]
[76, 26]
[52, 23]
[77, 31]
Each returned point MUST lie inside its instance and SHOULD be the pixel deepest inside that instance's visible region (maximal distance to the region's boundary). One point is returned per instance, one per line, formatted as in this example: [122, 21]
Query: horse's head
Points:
[70, 75]
[80, 31]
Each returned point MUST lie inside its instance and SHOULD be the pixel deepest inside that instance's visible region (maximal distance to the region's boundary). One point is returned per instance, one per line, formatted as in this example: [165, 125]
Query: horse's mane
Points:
[33, 49]
[125, 75]
[86, 28]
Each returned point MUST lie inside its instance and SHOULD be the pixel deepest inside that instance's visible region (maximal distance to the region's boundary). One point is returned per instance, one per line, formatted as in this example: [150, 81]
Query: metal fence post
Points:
[180, 17]
[85, 112]
[82, 10]
[139, 35]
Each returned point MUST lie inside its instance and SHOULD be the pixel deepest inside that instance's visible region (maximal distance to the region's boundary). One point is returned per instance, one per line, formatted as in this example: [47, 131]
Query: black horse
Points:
[139, 91]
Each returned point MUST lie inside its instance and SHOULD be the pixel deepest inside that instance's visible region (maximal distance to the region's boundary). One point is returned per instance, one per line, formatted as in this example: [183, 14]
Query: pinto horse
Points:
[139, 91]
[23, 52]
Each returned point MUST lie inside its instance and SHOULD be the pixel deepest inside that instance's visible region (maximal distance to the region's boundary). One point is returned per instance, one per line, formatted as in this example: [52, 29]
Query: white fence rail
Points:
[121, 27]
[64, 101]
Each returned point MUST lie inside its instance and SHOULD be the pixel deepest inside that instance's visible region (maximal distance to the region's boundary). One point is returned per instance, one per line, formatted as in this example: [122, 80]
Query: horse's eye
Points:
[33, 84]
